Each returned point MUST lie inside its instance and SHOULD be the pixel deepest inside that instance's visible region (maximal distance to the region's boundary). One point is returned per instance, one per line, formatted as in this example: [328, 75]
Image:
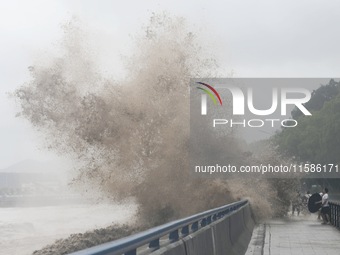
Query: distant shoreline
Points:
[38, 201]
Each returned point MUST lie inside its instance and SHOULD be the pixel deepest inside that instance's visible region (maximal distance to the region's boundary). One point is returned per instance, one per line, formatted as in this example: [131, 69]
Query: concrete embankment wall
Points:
[227, 236]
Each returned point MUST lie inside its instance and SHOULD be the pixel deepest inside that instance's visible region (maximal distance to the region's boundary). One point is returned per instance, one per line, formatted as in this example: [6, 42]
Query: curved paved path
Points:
[301, 235]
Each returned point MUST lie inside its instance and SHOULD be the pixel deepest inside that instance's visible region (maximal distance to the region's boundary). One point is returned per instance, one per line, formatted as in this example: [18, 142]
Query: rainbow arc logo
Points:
[209, 92]
[212, 93]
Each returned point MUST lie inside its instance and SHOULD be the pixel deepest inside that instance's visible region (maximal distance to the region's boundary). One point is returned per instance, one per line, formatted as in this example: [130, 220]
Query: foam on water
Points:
[25, 229]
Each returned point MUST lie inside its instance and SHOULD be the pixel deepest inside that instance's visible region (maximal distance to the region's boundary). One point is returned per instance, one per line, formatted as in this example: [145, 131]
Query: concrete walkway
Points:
[301, 235]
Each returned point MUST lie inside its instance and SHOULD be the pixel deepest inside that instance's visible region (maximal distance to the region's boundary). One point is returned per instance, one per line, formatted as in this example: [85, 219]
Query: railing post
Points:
[203, 222]
[335, 206]
[185, 230]
[331, 207]
[194, 226]
[337, 215]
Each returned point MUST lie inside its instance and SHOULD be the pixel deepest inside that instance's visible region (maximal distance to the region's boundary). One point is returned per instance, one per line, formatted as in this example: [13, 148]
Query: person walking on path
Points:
[305, 199]
[296, 204]
[319, 212]
[325, 209]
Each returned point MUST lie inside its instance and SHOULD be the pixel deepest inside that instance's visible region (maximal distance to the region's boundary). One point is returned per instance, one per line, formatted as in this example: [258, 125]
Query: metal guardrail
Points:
[175, 230]
[335, 213]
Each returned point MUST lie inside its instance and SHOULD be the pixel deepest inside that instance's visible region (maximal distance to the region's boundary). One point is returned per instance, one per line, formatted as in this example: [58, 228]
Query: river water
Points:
[26, 229]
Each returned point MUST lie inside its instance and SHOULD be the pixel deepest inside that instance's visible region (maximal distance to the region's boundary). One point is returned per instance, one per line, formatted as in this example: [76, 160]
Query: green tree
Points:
[316, 139]
[319, 96]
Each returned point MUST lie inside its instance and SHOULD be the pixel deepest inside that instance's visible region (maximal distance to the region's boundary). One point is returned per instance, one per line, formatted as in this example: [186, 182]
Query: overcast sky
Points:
[251, 38]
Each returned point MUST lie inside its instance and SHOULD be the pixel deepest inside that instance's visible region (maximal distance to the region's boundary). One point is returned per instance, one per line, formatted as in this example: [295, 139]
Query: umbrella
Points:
[312, 205]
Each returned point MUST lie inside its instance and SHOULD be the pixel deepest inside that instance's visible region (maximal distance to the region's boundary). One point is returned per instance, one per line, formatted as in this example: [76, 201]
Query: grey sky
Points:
[251, 38]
